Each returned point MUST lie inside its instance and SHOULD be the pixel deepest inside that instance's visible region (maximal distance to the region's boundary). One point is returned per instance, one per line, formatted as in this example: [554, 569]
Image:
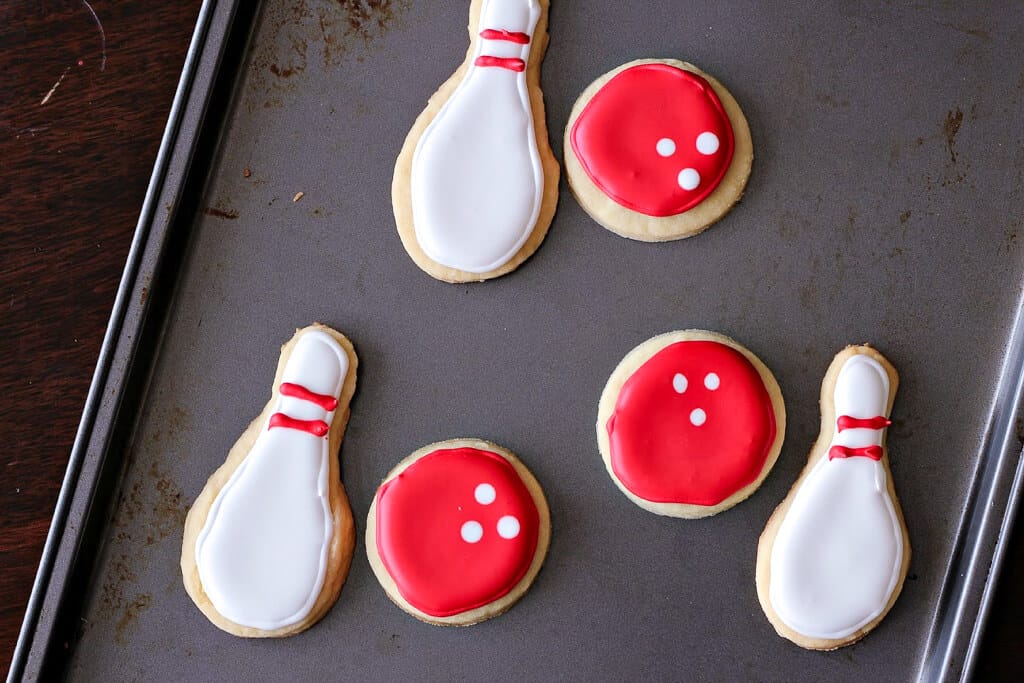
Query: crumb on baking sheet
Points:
[298, 196]
[246, 172]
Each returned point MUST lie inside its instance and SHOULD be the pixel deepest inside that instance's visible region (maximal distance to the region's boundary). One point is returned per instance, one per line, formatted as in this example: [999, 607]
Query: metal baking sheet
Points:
[884, 207]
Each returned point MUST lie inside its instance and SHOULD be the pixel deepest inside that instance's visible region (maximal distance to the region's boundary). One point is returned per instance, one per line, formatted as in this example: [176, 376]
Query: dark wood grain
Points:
[73, 172]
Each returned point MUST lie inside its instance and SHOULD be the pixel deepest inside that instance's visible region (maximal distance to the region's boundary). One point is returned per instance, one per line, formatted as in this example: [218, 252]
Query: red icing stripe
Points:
[504, 34]
[441, 535]
[326, 402]
[674, 439]
[847, 422]
[510, 63]
[314, 427]
[873, 452]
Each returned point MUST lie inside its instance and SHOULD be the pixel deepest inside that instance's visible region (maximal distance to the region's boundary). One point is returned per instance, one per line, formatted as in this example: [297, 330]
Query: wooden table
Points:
[84, 93]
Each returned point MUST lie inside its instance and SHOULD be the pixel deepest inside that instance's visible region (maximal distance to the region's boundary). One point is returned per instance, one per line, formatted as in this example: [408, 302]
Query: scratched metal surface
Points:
[884, 206]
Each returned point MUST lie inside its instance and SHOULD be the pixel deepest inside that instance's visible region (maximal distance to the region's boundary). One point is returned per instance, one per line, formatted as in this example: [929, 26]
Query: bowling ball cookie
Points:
[457, 532]
[657, 150]
[690, 423]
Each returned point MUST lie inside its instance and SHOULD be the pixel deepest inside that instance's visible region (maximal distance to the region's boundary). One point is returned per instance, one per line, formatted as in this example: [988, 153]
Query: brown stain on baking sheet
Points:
[954, 119]
[131, 613]
[285, 72]
[168, 510]
[830, 101]
[154, 504]
[217, 212]
[114, 602]
[293, 35]
[957, 170]
[367, 18]
[119, 573]
[152, 508]
[967, 30]
[1010, 243]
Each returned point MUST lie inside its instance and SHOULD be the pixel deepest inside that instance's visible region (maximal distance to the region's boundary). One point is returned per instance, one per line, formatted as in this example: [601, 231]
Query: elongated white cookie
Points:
[476, 183]
[269, 540]
[833, 557]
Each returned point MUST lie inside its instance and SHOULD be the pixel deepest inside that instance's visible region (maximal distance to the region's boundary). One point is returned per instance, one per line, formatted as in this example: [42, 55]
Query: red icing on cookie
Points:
[655, 138]
[456, 530]
[517, 37]
[693, 425]
[847, 422]
[510, 63]
[326, 402]
[314, 427]
[873, 452]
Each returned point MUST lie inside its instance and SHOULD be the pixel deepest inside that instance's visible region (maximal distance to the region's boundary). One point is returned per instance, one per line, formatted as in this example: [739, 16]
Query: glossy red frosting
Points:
[697, 446]
[426, 513]
[623, 134]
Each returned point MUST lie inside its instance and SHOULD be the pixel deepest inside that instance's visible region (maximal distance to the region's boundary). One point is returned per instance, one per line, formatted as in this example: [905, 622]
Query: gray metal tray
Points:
[884, 206]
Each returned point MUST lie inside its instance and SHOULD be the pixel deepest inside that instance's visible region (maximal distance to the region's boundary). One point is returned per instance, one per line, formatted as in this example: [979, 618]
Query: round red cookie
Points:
[690, 423]
[457, 532]
[657, 150]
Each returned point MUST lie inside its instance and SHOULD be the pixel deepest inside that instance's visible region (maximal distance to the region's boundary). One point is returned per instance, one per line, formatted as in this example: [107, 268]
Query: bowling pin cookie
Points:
[690, 423]
[657, 150]
[457, 532]
[833, 557]
[269, 540]
[476, 183]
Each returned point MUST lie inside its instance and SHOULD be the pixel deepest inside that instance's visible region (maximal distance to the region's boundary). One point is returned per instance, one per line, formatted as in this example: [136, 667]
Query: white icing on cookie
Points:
[472, 531]
[689, 179]
[477, 178]
[262, 553]
[838, 554]
[485, 494]
[707, 143]
[508, 527]
[679, 383]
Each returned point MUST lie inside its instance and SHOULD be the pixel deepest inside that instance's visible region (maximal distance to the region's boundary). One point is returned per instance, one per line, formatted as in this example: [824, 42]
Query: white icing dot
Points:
[472, 532]
[712, 381]
[485, 494]
[698, 417]
[508, 527]
[689, 179]
[707, 143]
[679, 383]
[666, 147]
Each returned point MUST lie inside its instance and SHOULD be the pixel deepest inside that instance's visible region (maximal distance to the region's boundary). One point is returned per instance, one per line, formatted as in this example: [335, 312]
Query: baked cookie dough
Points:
[269, 540]
[690, 423]
[457, 532]
[476, 183]
[657, 150]
[833, 557]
